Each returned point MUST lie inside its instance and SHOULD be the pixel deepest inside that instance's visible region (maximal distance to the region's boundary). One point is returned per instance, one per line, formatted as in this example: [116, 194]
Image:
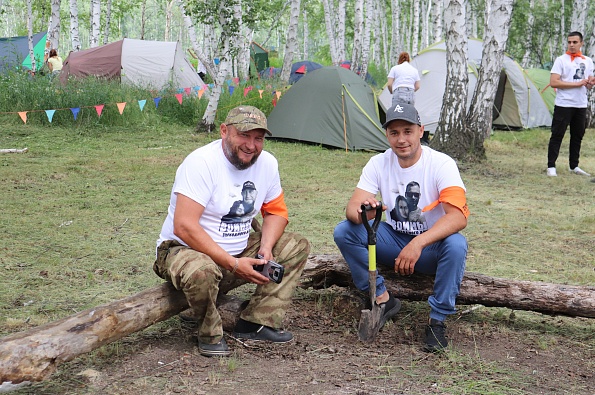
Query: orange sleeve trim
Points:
[454, 196]
[276, 206]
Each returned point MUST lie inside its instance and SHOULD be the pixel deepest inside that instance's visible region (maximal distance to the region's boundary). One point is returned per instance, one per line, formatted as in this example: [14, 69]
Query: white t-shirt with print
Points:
[208, 178]
[574, 71]
[434, 171]
[404, 75]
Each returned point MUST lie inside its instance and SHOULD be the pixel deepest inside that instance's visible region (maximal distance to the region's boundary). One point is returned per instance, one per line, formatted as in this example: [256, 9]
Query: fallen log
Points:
[13, 150]
[323, 271]
[33, 355]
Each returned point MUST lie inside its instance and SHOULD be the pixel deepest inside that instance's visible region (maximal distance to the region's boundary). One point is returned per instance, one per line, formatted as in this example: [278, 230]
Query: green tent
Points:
[331, 106]
[259, 58]
[541, 79]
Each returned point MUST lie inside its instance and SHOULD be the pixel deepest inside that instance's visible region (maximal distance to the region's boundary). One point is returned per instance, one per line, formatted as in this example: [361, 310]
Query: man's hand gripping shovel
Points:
[369, 322]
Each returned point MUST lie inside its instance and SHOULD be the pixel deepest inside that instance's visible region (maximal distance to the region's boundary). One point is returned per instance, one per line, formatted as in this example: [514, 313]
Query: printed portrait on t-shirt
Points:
[406, 214]
[580, 72]
[241, 210]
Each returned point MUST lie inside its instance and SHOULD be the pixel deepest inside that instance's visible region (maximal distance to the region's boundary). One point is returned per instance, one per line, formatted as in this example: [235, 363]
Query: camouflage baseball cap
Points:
[245, 118]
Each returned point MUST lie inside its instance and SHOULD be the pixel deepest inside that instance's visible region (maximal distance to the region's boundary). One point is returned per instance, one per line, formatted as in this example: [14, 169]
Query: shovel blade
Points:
[369, 321]
[369, 324]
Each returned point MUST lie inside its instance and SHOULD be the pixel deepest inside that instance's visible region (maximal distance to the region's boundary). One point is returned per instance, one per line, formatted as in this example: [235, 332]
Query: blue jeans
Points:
[403, 95]
[445, 259]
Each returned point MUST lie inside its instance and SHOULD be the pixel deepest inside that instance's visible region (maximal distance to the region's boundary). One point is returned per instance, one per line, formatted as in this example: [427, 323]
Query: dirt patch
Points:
[492, 351]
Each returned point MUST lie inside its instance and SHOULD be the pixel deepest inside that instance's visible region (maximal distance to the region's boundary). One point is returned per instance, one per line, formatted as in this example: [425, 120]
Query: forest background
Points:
[368, 33]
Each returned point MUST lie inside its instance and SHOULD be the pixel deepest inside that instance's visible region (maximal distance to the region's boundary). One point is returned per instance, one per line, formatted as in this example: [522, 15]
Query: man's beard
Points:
[234, 159]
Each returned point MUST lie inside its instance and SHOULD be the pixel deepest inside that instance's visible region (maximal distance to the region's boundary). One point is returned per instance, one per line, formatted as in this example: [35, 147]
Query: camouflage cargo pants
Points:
[202, 280]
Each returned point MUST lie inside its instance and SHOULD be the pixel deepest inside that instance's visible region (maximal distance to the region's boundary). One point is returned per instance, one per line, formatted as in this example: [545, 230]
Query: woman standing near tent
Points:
[403, 80]
[54, 62]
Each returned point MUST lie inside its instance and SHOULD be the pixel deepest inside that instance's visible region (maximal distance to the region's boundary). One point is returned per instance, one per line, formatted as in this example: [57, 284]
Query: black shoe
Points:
[390, 308]
[213, 350]
[265, 333]
[435, 340]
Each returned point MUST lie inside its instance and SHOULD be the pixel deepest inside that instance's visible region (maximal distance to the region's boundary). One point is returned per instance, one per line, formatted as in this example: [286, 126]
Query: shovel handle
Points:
[372, 229]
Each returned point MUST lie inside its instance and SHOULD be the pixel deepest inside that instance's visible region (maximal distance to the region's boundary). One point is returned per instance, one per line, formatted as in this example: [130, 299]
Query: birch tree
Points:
[108, 20]
[451, 135]
[204, 57]
[330, 31]
[306, 32]
[479, 119]
[530, 24]
[415, 33]
[291, 42]
[362, 70]
[590, 51]
[358, 35]
[53, 36]
[30, 34]
[75, 41]
[580, 9]
[437, 20]
[396, 45]
[95, 23]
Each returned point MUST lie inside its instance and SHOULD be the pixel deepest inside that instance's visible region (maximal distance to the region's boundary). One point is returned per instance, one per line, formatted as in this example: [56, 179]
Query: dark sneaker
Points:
[213, 350]
[390, 308]
[435, 340]
[265, 333]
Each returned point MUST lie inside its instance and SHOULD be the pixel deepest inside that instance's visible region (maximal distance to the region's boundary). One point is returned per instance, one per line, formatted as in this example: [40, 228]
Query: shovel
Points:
[369, 322]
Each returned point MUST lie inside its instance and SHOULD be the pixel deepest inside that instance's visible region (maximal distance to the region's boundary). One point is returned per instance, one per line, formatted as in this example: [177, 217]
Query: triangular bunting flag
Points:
[216, 61]
[179, 97]
[99, 109]
[274, 102]
[236, 80]
[157, 100]
[121, 107]
[260, 92]
[75, 112]
[50, 114]
[229, 82]
[200, 93]
[231, 89]
[246, 90]
[187, 90]
[23, 115]
[141, 104]
[278, 94]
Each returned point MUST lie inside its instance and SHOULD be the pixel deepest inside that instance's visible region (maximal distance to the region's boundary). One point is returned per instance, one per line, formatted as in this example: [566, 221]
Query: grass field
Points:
[81, 211]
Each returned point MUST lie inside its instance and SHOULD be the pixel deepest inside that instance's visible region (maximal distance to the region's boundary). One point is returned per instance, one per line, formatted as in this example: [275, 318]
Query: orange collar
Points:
[575, 55]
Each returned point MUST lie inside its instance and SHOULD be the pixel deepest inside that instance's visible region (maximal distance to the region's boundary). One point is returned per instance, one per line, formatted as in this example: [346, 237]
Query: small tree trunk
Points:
[452, 135]
[75, 41]
[108, 20]
[30, 34]
[291, 43]
[479, 119]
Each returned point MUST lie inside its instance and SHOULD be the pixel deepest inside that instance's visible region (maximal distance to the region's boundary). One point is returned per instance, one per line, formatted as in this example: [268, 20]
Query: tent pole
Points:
[344, 121]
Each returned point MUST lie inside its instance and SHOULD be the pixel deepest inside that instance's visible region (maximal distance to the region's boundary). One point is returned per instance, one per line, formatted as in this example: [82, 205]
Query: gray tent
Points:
[517, 104]
[148, 64]
[330, 106]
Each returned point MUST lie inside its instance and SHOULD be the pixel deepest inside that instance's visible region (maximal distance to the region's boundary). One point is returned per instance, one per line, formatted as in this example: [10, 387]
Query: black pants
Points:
[564, 116]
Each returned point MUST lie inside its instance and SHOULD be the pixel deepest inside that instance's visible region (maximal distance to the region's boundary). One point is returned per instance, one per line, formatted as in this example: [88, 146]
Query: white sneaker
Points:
[551, 171]
[579, 171]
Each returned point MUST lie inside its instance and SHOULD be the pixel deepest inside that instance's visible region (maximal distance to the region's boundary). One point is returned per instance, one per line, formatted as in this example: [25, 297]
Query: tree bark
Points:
[75, 41]
[452, 135]
[479, 118]
[291, 42]
[322, 271]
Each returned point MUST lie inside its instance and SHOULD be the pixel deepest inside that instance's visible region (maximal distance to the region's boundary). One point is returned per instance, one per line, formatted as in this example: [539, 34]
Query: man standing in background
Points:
[571, 76]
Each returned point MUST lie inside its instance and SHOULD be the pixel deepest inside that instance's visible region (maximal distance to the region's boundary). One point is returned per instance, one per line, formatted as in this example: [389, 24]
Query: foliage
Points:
[21, 92]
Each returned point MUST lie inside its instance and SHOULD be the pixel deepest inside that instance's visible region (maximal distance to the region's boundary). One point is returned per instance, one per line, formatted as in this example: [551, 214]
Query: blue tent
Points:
[269, 72]
[299, 69]
[14, 52]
